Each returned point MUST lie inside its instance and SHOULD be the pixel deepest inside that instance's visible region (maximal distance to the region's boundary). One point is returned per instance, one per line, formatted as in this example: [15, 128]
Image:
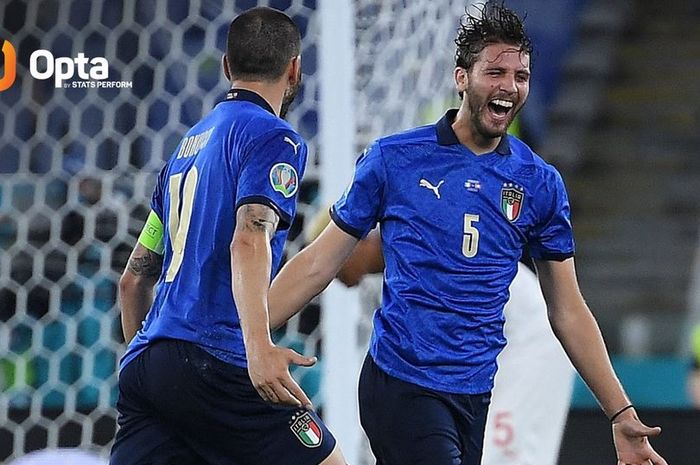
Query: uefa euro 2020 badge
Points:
[284, 179]
[306, 429]
[512, 197]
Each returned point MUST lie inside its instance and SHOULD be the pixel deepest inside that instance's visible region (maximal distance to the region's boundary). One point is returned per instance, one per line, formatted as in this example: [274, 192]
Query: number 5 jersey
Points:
[453, 227]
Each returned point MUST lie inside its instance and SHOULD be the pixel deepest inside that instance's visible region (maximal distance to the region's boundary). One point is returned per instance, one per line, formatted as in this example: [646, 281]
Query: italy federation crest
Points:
[284, 179]
[512, 200]
[306, 429]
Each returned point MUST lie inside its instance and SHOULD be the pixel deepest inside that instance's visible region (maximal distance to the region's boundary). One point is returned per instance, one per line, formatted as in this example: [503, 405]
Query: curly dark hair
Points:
[492, 24]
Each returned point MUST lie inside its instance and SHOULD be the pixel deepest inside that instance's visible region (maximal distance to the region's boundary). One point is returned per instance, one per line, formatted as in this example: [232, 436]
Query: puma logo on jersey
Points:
[291, 142]
[428, 185]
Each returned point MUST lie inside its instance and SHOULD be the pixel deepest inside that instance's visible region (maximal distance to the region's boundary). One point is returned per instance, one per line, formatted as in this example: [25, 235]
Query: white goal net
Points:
[77, 166]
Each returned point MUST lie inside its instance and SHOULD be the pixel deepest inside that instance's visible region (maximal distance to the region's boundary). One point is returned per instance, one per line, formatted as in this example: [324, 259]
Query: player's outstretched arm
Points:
[136, 288]
[251, 261]
[577, 330]
[308, 273]
[367, 258]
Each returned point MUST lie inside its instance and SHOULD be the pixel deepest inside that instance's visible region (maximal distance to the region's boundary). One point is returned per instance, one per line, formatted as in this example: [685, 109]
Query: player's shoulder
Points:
[251, 127]
[529, 162]
[414, 136]
[268, 126]
[253, 119]
[402, 144]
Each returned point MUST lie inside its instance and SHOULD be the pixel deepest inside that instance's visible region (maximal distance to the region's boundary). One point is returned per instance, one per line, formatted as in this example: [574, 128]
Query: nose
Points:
[508, 84]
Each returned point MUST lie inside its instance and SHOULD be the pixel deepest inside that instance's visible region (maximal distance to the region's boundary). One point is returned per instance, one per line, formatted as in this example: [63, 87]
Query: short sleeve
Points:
[359, 209]
[552, 238]
[157, 196]
[270, 173]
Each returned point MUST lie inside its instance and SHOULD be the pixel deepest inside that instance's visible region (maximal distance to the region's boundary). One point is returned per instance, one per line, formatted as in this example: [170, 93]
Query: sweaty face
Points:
[497, 87]
[289, 95]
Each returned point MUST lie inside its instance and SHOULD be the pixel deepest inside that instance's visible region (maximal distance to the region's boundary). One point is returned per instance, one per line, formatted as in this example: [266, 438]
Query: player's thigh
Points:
[336, 458]
[153, 444]
[142, 438]
[406, 424]
[471, 412]
[218, 413]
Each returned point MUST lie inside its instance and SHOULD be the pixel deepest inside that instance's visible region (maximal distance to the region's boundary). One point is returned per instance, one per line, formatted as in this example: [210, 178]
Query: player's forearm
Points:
[135, 299]
[136, 288]
[580, 336]
[251, 260]
[298, 282]
[309, 273]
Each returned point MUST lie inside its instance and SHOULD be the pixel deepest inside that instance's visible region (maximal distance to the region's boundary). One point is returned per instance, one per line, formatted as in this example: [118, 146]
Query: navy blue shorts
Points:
[180, 405]
[410, 425]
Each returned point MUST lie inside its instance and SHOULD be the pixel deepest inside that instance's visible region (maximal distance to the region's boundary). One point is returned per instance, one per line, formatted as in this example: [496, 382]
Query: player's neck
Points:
[271, 92]
[468, 135]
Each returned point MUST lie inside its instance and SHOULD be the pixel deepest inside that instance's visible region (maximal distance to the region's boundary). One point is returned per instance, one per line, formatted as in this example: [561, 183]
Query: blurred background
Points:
[614, 104]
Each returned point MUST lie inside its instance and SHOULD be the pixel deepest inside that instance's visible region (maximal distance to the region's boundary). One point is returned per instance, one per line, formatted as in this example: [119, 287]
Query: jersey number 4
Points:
[470, 239]
[179, 220]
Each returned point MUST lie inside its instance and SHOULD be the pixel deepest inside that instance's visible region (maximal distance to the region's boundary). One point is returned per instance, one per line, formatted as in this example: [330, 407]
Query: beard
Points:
[478, 106]
[289, 95]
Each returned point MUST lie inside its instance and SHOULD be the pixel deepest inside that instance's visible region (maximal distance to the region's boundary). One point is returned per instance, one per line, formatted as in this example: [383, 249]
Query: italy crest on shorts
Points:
[306, 429]
[284, 179]
[511, 200]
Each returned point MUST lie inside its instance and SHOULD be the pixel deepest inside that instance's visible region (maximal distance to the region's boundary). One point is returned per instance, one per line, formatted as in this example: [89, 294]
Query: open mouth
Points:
[500, 107]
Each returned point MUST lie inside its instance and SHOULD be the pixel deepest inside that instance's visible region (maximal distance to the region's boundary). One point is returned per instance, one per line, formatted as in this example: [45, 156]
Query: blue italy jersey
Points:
[240, 153]
[453, 227]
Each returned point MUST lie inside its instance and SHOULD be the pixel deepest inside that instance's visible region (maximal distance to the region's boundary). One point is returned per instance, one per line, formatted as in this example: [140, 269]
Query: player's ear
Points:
[461, 77]
[224, 64]
[294, 70]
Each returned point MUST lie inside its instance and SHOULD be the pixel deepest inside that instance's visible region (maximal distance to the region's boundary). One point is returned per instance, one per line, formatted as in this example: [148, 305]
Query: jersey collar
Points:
[446, 135]
[249, 96]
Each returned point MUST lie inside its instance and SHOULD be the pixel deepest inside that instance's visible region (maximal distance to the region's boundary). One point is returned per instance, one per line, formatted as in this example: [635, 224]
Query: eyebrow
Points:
[502, 68]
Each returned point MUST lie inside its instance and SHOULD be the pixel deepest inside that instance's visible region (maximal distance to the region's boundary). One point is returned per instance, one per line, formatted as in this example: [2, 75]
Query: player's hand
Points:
[631, 438]
[268, 368]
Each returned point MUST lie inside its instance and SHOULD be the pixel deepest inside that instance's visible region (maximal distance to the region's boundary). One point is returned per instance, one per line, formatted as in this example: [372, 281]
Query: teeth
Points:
[503, 103]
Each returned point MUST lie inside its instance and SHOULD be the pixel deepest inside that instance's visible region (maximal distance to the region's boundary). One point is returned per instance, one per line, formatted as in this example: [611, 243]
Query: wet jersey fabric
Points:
[240, 153]
[453, 227]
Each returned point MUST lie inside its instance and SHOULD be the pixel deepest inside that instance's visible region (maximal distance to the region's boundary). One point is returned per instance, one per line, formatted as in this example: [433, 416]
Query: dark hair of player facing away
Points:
[261, 42]
[493, 24]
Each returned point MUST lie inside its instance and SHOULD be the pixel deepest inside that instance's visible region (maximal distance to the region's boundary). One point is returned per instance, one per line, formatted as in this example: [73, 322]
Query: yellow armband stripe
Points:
[696, 343]
[152, 234]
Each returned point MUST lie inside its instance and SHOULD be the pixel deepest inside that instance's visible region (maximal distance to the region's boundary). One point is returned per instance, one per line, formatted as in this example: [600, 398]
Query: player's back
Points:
[221, 163]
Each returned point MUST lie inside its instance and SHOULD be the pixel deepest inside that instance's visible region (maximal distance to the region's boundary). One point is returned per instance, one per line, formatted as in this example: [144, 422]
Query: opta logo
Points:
[63, 68]
[81, 72]
[10, 60]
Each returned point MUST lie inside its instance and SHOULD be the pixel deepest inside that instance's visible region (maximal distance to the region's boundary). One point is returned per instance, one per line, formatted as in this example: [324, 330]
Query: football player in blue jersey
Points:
[457, 202]
[201, 381]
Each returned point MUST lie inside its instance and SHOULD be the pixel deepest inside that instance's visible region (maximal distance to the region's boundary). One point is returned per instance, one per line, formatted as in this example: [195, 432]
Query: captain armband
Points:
[152, 234]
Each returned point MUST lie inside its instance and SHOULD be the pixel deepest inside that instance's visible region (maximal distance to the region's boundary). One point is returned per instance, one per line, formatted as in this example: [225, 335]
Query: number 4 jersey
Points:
[453, 228]
[240, 153]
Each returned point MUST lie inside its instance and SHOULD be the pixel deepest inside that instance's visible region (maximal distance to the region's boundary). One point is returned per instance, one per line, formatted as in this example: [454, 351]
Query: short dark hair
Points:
[492, 24]
[260, 44]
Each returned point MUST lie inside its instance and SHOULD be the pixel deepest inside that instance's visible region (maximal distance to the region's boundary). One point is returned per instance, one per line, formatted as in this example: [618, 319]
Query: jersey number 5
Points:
[179, 222]
[470, 240]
